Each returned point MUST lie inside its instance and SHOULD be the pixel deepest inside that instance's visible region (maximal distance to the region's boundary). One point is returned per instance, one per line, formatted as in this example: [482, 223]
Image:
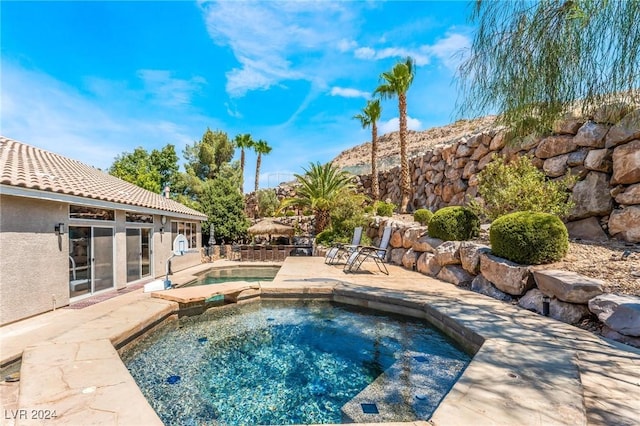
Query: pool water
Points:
[272, 362]
[243, 273]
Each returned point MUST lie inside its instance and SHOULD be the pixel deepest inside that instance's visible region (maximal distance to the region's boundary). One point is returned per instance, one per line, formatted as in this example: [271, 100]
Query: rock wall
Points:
[602, 150]
[565, 296]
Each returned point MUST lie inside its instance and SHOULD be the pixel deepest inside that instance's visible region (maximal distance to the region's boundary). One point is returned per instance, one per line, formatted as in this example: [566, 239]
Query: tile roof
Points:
[26, 166]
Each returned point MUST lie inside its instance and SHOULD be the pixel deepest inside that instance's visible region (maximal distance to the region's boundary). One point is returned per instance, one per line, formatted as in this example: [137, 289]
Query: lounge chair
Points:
[339, 251]
[377, 254]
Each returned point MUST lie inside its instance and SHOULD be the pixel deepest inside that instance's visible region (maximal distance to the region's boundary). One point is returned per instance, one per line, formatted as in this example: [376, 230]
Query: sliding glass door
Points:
[90, 259]
[138, 253]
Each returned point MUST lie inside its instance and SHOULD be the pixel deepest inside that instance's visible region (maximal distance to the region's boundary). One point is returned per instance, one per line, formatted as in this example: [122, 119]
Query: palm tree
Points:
[369, 117]
[321, 187]
[243, 141]
[396, 83]
[260, 147]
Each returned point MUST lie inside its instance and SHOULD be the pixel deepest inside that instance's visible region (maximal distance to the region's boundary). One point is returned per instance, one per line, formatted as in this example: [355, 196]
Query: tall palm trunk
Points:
[405, 182]
[258, 163]
[242, 169]
[322, 220]
[375, 187]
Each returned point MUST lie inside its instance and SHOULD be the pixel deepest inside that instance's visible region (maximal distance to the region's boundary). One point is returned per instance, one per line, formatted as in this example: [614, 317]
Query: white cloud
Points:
[365, 53]
[349, 93]
[345, 45]
[450, 50]
[168, 90]
[393, 125]
[447, 50]
[265, 37]
[232, 110]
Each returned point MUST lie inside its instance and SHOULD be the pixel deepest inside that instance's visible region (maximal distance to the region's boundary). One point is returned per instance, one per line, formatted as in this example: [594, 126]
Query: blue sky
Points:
[91, 80]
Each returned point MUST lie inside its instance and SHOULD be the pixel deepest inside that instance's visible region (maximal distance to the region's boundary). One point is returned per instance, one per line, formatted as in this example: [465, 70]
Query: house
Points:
[69, 231]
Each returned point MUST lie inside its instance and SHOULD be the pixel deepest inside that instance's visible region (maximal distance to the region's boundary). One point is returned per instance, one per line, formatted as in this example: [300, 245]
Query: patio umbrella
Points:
[271, 227]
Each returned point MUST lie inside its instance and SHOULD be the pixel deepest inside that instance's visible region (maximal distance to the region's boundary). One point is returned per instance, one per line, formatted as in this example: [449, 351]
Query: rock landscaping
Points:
[571, 297]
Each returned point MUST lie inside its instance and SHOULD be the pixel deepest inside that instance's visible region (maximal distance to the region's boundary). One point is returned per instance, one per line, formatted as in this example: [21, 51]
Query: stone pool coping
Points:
[528, 370]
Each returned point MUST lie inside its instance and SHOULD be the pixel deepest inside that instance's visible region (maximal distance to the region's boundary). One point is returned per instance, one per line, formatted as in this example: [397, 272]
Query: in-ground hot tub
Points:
[275, 362]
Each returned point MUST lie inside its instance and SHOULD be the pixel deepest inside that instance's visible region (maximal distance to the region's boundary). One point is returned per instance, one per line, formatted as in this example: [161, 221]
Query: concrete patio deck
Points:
[528, 369]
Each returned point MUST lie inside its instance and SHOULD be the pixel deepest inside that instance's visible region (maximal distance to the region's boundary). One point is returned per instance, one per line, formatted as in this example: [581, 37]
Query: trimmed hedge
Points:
[422, 216]
[529, 238]
[384, 209]
[454, 223]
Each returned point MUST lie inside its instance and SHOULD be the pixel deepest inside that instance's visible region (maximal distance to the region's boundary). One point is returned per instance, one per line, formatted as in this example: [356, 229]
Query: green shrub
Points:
[368, 209]
[290, 213]
[529, 238]
[267, 202]
[325, 237]
[520, 186]
[422, 216]
[384, 209]
[454, 223]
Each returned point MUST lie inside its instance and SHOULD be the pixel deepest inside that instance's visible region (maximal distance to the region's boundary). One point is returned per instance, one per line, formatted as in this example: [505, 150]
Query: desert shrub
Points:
[383, 208]
[325, 237]
[454, 223]
[520, 186]
[267, 202]
[422, 216]
[347, 214]
[529, 238]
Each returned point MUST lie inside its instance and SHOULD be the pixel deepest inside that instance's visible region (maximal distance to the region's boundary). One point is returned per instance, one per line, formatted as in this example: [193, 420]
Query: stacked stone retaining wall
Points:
[603, 151]
[571, 297]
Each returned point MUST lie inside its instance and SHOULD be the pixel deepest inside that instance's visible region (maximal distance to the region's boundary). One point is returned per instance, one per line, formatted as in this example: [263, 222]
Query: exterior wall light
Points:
[59, 229]
[161, 231]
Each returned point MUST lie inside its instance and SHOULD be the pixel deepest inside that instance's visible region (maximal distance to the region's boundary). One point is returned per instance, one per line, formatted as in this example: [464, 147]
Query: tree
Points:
[321, 188]
[205, 157]
[166, 162]
[137, 168]
[260, 147]
[534, 62]
[223, 202]
[369, 117]
[396, 83]
[267, 201]
[243, 141]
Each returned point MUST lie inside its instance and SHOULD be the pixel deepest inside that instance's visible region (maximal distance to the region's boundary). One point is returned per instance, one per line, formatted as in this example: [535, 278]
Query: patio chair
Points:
[377, 254]
[339, 250]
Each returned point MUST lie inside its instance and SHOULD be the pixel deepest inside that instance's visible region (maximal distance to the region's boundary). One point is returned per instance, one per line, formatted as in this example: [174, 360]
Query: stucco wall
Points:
[34, 260]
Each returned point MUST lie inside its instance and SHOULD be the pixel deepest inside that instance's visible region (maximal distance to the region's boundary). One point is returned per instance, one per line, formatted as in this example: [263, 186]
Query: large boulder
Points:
[591, 134]
[569, 313]
[631, 195]
[591, 196]
[586, 229]
[470, 256]
[396, 238]
[553, 146]
[454, 274]
[507, 276]
[426, 244]
[409, 259]
[556, 166]
[625, 224]
[411, 235]
[620, 313]
[599, 160]
[625, 130]
[396, 255]
[568, 286]
[626, 163]
[483, 286]
[614, 335]
[448, 253]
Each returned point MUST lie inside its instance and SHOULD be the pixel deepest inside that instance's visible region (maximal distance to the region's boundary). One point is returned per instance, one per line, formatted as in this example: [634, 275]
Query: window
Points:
[188, 229]
[139, 218]
[90, 213]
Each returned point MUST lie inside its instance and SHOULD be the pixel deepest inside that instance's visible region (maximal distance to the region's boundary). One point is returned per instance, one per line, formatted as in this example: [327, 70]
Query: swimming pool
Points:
[274, 362]
[236, 273]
